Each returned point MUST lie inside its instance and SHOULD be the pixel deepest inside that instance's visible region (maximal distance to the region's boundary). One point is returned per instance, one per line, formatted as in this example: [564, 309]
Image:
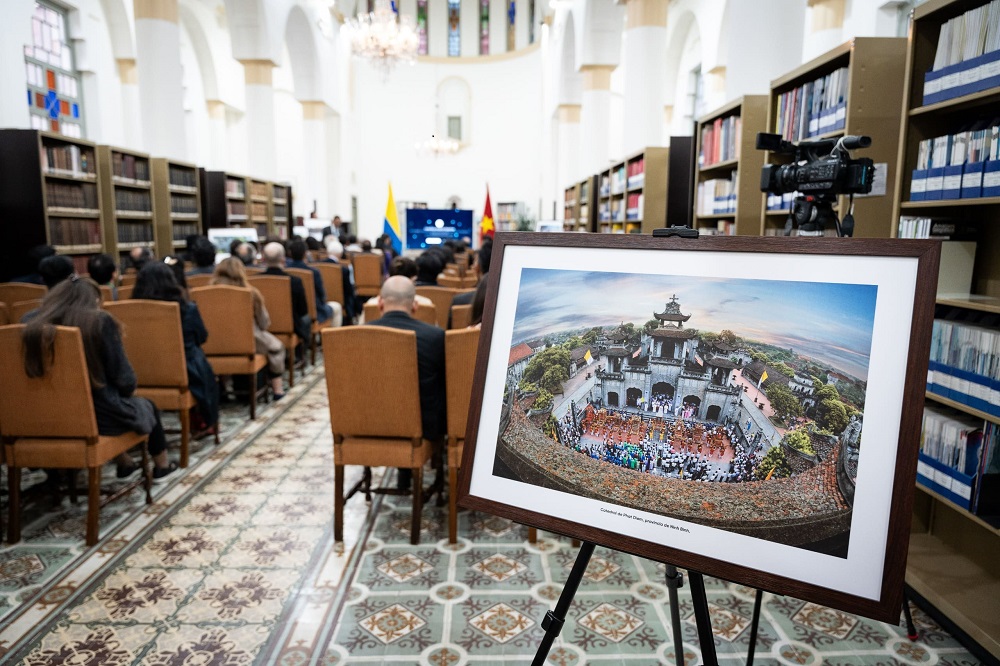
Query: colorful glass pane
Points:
[511, 15]
[484, 27]
[39, 100]
[52, 104]
[54, 126]
[50, 78]
[422, 26]
[76, 110]
[454, 36]
[30, 98]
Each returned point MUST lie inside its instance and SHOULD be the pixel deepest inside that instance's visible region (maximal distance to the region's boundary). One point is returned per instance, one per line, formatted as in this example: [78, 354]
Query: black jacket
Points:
[300, 307]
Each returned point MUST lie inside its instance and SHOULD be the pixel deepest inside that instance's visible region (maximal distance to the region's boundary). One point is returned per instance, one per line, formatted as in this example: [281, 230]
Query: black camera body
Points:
[833, 174]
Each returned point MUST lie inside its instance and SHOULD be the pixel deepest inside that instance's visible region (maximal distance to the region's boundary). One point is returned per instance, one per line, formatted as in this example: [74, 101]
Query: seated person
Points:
[76, 302]
[103, 271]
[335, 255]
[247, 253]
[407, 268]
[203, 254]
[429, 265]
[156, 282]
[138, 257]
[274, 258]
[326, 311]
[55, 269]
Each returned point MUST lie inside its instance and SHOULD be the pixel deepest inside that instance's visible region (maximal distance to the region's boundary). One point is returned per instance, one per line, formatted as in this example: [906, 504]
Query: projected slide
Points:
[427, 227]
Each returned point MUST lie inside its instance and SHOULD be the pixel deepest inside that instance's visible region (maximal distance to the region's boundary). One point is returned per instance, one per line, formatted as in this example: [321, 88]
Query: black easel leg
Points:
[674, 581]
[554, 620]
[911, 629]
[753, 626]
[703, 619]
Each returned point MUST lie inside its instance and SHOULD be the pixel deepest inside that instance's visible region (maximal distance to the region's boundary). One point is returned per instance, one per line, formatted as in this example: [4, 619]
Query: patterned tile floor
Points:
[234, 563]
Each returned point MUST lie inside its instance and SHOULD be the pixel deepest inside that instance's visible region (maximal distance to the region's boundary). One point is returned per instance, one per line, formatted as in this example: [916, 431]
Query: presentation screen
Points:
[427, 227]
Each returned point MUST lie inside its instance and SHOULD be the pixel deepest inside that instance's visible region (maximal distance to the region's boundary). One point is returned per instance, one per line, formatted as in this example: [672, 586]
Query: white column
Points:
[521, 24]
[568, 139]
[129, 77]
[261, 150]
[645, 54]
[498, 26]
[158, 69]
[219, 133]
[826, 23]
[468, 27]
[595, 117]
[315, 182]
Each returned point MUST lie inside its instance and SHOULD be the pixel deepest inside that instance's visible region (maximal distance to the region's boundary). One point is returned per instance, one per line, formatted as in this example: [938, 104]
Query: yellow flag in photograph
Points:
[588, 357]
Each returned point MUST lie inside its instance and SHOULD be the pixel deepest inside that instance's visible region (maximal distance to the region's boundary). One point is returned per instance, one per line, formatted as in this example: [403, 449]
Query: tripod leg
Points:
[911, 629]
[753, 626]
[554, 620]
[703, 619]
[674, 581]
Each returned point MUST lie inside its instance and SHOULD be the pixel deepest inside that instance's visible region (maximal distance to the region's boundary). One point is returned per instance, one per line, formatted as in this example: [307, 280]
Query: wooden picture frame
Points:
[623, 477]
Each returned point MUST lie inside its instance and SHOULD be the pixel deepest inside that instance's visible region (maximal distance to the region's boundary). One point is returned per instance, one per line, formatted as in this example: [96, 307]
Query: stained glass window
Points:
[531, 21]
[511, 34]
[54, 100]
[454, 34]
[422, 26]
[484, 27]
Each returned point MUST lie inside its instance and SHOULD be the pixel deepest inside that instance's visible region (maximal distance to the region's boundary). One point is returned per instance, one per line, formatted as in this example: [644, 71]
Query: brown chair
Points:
[469, 282]
[125, 291]
[424, 313]
[277, 293]
[333, 282]
[461, 315]
[154, 344]
[442, 298]
[456, 268]
[107, 295]
[367, 274]
[49, 422]
[16, 311]
[198, 280]
[460, 349]
[12, 292]
[309, 284]
[4, 314]
[128, 280]
[231, 349]
[364, 431]
[449, 281]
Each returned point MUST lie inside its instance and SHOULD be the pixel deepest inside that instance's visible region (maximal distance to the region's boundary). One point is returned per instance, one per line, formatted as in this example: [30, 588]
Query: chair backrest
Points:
[469, 282]
[129, 278]
[125, 291]
[441, 297]
[154, 341]
[333, 280]
[449, 281]
[107, 295]
[228, 316]
[461, 315]
[198, 280]
[367, 271]
[424, 313]
[277, 293]
[310, 286]
[12, 292]
[371, 312]
[4, 315]
[460, 349]
[17, 310]
[456, 268]
[57, 404]
[384, 361]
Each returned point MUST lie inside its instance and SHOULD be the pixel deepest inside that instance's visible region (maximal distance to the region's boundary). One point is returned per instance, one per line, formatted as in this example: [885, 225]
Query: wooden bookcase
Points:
[506, 215]
[126, 199]
[571, 197]
[176, 204]
[743, 168]
[952, 558]
[281, 209]
[875, 68]
[578, 205]
[260, 206]
[225, 200]
[49, 194]
[632, 194]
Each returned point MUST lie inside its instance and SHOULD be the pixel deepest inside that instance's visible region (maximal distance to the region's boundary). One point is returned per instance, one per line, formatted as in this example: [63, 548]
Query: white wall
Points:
[504, 137]
[750, 69]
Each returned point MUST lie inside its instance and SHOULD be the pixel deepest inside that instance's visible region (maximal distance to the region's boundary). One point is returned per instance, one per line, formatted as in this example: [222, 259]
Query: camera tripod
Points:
[812, 213]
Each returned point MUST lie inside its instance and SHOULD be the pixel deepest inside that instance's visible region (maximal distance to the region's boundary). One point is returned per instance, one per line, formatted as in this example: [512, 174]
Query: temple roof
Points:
[519, 353]
[578, 353]
[674, 333]
[724, 347]
[721, 362]
[672, 312]
[619, 352]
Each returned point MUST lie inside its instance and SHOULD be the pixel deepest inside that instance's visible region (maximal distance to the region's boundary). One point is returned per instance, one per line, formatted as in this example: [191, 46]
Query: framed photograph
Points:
[749, 408]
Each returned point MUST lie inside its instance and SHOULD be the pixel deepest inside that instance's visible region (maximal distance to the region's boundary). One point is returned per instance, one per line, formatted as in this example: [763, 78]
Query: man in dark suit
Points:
[325, 312]
[274, 258]
[334, 251]
[397, 304]
[203, 255]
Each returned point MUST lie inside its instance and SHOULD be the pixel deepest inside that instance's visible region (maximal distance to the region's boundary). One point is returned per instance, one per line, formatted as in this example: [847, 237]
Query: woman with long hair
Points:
[156, 282]
[77, 302]
[232, 272]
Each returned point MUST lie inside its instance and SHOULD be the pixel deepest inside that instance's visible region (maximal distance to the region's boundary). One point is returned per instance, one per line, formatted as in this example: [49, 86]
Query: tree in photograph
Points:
[553, 378]
[543, 400]
[852, 395]
[831, 415]
[527, 387]
[651, 325]
[799, 440]
[783, 401]
[573, 343]
[550, 426]
[729, 337]
[774, 464]
[826, 392]
[590, 337]
[784, 369]
[556, 357]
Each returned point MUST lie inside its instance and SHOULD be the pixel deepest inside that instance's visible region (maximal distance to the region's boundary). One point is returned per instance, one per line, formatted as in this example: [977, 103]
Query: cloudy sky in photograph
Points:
[829, 322]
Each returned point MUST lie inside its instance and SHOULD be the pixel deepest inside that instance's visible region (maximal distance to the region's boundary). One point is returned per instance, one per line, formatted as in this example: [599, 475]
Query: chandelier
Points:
[438, 146]
[383, 37]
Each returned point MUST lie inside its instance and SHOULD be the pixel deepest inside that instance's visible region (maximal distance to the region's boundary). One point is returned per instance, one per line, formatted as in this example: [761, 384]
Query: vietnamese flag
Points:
[486, 226]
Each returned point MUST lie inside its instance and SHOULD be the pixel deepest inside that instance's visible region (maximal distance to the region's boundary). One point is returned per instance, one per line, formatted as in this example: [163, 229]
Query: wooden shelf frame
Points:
[653, 213]
[876, 67]
[163, 214]
[110, 184]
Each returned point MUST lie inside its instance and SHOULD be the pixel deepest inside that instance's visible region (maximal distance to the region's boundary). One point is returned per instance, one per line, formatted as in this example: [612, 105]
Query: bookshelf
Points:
[225, 200]
[507, 214]
[281, 209]
[578, 206]
[729, 163]
[865, 78]
[571, 202]
[260, 207]
[176, 204]
[632, 194]
[49, 194]
[126, 200]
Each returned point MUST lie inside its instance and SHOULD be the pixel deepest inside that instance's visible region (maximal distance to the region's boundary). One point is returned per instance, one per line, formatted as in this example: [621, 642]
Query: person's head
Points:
[352, 240]
[485, 254]
[334, 248]
[398, 295]
[203, 253]
[336, 220]
[313, 245]
[156, 282]
[102, 268]
[478, 304]
[74, 302]
[429, 265]
[230, 271]
[139, 256]
[55, 269]
[235, 243]
[274, 255]
[246, 253]
[403, 266]
[37, 253]
[297, 250]
[366, 246]
[176, 265]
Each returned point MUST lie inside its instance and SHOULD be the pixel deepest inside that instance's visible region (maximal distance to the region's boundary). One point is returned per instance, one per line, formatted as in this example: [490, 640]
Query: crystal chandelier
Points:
[438, 146]
[383, 37]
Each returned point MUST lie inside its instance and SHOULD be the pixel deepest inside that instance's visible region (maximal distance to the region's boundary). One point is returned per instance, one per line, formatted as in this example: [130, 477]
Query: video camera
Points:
[820, 170]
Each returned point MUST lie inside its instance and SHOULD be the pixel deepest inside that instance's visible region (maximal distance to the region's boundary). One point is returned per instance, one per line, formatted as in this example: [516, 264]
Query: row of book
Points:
[183, 204]
[181, 177]
[965, 364]
[928, 227]
[71, 195]
[236, 187]
[258, 210]
[281, 211]
[967, 59]
[815, 108]
[236, 209]
[68, 159]
[74, 231]
[181, 230]
[958, 456]
[781, 201]
[717, 196]
[258, 189]
[720, 141]
[636, 172]
[720, 228]
[137, 200]
[135, 232]
[633, 206]
[281, 192]
[965, 165]
[129, 167]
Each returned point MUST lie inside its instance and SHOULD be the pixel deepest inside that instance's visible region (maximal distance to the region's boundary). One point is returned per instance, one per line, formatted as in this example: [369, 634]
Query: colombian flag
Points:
[391, 224]
[486, 227]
